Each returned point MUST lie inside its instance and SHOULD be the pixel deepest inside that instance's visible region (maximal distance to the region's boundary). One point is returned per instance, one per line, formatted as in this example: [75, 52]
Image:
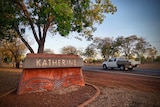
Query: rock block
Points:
[44, 72]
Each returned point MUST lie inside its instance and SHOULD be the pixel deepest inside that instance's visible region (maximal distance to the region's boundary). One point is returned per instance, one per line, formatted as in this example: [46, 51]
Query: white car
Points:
[121, 63]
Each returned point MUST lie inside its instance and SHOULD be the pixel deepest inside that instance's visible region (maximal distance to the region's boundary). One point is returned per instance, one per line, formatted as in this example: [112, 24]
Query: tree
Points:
[80, 52]
[134, 46]
[12, 49]
[56, 16]
[151, 52]
[140, 48]
[127, 45]
[69, 50]
[157, 59]
[106, 45]
[48, 51]
[90, 52]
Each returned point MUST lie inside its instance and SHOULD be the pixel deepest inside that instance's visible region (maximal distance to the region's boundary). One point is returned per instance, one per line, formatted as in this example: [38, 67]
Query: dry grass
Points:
[155, 66]
[9, 78]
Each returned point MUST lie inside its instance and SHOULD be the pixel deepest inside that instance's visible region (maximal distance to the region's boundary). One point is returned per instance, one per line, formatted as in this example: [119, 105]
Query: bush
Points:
[157, 59]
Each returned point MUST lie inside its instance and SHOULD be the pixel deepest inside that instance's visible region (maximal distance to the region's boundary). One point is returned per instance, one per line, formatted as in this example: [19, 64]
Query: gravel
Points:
[123, 97]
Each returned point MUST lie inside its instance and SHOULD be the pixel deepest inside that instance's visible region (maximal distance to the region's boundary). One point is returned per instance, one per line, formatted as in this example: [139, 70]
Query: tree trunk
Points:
[41, 42]
[41, 47]
[17, 61]
[17, 64]
[23, 40]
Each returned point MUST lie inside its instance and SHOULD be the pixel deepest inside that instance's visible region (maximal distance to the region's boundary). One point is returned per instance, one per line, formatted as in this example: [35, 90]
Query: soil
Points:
[123, 97]
[69, 97]
[117, 90]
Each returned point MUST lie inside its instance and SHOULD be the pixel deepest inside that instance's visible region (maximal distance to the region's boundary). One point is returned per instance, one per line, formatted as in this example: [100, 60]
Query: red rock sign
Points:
[43, 72]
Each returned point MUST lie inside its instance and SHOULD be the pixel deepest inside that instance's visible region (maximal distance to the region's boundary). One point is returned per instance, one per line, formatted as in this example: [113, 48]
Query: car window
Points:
[110, 60]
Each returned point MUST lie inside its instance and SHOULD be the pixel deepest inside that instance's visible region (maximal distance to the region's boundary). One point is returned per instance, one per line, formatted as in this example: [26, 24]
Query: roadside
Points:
[123, 97]
[116, 91]
[155, 66]
[9, 78]
[124, 91]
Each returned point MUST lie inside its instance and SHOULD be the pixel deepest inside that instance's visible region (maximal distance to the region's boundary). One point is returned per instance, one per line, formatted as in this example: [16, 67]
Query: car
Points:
[120, 63]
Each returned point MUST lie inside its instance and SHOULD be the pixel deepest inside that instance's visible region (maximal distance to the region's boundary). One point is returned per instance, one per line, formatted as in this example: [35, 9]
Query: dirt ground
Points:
[117, 90]
[63, 98]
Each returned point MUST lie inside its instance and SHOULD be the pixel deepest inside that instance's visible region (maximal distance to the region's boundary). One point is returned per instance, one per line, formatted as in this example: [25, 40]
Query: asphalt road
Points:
[136, 71]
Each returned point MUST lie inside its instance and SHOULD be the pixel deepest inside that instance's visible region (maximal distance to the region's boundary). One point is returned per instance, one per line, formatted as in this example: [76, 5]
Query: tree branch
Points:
[46, 26]
[23, 40]
[39, 28]
[22, 5]
[39, 31]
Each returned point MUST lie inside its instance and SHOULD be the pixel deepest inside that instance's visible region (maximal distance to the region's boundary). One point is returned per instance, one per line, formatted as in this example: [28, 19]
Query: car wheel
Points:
[104, 66]
[122, 67]
[130, 68]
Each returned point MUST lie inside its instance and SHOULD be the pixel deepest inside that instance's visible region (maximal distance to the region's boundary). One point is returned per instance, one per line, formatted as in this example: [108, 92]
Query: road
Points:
[143, 79]
[137, 71]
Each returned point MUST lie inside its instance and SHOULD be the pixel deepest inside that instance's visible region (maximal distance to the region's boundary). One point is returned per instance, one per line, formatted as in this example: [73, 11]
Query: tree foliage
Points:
[48, 51]
[125, 46]
[132, 45]
[151, 52]
[12, 49]
[90, 52]
[56, 16]
[69, 50]
[106, 45]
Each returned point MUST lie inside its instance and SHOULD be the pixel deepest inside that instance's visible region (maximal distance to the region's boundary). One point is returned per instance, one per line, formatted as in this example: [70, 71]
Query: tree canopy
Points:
[56, 16]
[106, 45]
[127, 46]
[12, 49]
[90, 52]
[69, 50]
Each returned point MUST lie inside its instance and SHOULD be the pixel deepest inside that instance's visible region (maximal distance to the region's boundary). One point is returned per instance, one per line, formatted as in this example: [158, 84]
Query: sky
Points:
[133, 17]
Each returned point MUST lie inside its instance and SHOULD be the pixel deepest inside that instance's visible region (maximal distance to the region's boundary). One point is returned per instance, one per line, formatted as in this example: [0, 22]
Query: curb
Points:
[8, 92]
[93, 98]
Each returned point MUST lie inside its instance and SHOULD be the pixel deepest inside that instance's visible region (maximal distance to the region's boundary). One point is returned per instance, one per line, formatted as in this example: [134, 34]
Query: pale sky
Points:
[133, 17]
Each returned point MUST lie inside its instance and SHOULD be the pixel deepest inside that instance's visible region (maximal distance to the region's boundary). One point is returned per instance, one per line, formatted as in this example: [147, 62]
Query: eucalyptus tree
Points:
[134, 46]
[141, 47]
[107, 46]
[57, 16]
[48, 51]
[127, 45]
[90, 52]
[151, 52]
[13, 48]
[69, 50]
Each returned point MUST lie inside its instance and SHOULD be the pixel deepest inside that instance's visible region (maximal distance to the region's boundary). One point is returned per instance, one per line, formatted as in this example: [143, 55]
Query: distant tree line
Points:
[131, 47]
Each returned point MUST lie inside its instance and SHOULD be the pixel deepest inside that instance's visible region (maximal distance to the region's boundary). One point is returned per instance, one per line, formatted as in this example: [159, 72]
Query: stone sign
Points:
[43, 72]
[52, 62]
